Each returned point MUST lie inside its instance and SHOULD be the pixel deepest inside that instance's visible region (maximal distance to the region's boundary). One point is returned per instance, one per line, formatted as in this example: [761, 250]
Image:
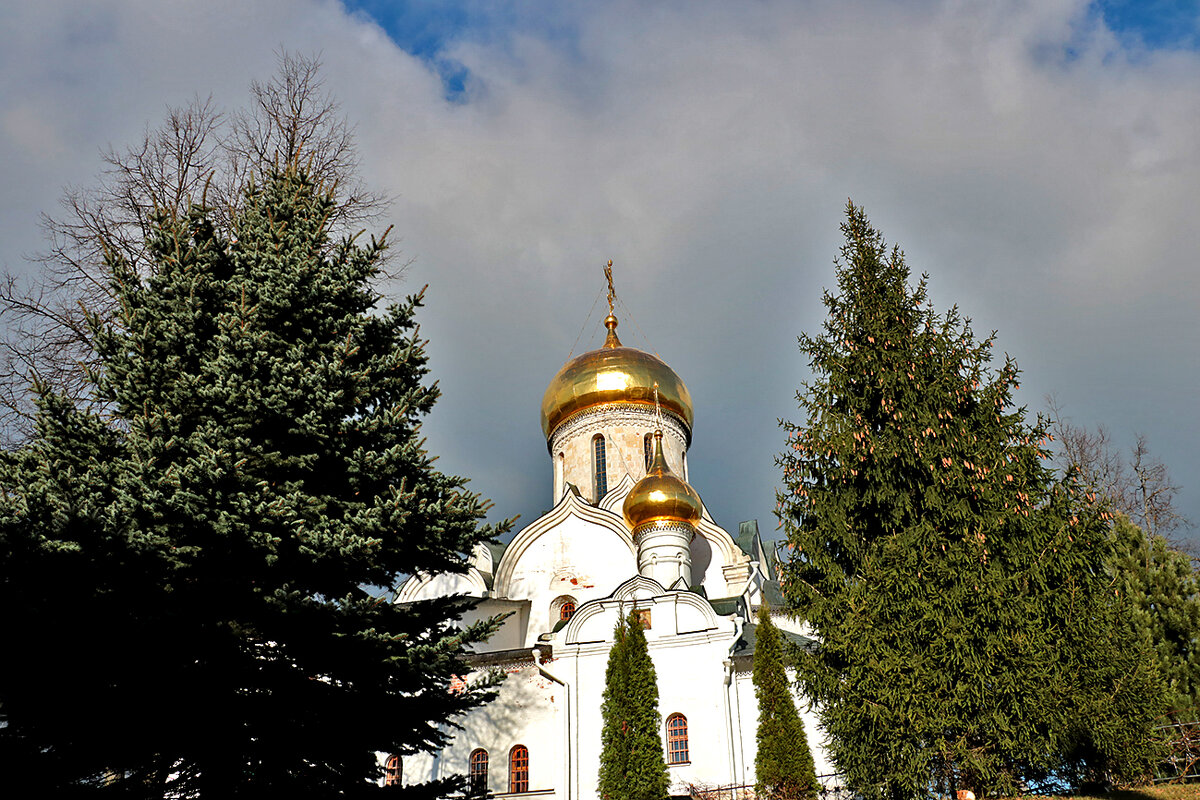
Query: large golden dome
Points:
[661, 496]
[611, 375]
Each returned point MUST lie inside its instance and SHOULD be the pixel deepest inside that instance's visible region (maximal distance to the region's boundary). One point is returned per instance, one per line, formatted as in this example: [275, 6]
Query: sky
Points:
[1039, 160]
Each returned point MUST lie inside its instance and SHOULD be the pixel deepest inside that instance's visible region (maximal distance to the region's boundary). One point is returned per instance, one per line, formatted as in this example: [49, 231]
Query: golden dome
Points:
[613, 374]
[660, 496]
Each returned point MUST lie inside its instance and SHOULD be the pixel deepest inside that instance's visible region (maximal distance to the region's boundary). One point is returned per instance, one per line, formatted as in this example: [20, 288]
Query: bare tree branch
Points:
[292, 118]
[1154, 493]
[1140, 488]
[198, 155]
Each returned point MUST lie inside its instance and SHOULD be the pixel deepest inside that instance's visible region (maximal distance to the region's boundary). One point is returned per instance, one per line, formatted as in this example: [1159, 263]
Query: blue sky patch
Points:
[1156, 24]
[428, 29]
[424, 29]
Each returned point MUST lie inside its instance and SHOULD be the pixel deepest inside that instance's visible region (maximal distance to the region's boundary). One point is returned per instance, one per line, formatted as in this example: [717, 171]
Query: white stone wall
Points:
[746, 707]
[574, 558]
[718, 564]
[513, 629]
[689, 646]
[791, 624]
[529, 710]
[555, 710]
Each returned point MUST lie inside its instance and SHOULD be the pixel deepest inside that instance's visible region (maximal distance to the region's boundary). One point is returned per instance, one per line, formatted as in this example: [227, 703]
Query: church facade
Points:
[626, 532]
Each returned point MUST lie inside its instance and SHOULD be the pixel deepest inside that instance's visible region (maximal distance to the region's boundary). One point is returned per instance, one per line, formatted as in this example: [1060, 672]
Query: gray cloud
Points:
[708, 149]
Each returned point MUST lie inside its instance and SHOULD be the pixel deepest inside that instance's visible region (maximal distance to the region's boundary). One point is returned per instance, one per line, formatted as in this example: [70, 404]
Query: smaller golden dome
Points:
[661, 496]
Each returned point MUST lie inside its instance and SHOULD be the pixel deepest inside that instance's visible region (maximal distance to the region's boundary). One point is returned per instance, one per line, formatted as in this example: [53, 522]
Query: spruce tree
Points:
[969, 637]
[632, 766]
[783, 763]
[190, 563]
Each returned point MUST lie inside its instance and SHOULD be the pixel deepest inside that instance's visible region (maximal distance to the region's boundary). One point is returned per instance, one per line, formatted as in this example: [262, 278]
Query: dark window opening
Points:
[600, 467]
[477, 779]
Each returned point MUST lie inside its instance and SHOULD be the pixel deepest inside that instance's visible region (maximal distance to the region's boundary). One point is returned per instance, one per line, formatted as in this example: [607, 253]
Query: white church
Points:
[626, 531]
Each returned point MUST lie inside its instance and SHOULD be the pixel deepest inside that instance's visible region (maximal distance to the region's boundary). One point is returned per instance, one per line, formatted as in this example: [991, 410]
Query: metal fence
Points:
[1183, 752]
[833, 787]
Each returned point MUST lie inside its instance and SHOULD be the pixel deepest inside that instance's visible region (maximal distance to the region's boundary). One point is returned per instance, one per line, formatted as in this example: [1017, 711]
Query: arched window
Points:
[566, 610]
[677, 740]
[518, 769]
[648, 447]
[599, 467]
[562, 608]
[477, 781]
[391, 771]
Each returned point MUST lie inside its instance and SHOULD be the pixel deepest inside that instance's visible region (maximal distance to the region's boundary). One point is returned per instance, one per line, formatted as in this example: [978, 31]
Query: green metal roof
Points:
[745, 644]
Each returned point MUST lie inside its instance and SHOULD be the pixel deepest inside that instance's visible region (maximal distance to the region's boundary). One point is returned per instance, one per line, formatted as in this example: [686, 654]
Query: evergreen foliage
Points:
[783, 764]
[970, 637]
[632, 766]
[1164, 590]
[189, 564]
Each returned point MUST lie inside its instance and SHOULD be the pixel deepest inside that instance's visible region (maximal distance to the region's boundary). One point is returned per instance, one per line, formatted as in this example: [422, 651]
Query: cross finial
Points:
[612, 294]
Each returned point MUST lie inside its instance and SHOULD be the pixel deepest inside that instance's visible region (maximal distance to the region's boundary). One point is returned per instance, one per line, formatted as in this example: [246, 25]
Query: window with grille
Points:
[600, 467]
[677, 739]
[518, 769]
[477, 780]
[649, 448]
[566, 610]
[391, 771]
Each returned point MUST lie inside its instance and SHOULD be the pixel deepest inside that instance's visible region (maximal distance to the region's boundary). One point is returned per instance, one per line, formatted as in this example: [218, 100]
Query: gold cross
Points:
[611, 292]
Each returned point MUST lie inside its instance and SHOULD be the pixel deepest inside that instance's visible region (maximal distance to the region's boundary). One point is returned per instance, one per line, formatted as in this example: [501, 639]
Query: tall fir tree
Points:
[190, 564]
[969, 637]
[632, 766]
[783, 763]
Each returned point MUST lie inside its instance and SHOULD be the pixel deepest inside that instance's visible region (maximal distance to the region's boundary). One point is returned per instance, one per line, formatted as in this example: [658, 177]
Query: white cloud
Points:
[708, 149]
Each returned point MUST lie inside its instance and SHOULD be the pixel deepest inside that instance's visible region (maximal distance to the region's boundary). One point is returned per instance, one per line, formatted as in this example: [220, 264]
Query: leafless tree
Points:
[199, 154]
[291, 117]
[1140, 487]
[1154, 493]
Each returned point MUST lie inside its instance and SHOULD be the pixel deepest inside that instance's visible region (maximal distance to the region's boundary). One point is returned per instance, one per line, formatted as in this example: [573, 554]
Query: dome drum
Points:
[664, 552]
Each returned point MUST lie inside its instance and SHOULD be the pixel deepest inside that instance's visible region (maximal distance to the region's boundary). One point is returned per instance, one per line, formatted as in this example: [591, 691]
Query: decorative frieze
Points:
[663, 527]
[628, 415]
